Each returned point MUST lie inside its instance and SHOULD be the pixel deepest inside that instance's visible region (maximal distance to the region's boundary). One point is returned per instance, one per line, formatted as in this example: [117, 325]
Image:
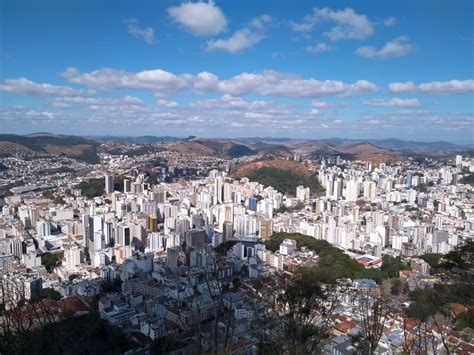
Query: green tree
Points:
[50, 294]
[307, 305]
[50, 260]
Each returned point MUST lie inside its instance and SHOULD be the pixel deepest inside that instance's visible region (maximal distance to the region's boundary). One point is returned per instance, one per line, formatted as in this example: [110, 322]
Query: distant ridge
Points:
[71, 146]
[375, 150]
[136, 140]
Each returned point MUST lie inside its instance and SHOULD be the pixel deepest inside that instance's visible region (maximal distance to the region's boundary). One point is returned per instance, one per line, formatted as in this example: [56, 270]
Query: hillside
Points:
[334, 264]
[71, 146]
[363, 149]
[135, 140]
[220, 148]
[369, 152]
[420, 148]
[7, 147]
[346, 149]
[313, 148]
[283, 175]
[276, 150]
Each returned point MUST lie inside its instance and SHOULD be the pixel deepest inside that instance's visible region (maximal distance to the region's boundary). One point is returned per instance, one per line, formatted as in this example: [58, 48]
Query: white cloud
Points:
[346, 24]
[318, 48]
[244, 38]
[66, 102]
[271, 83]
[231, 102]
[27, 87]
[324, 105]
[199, 18]
[267, 83]
[397, 47]
[147, 34]
[409, 86]
[156, 79]
[435, 87]
[395, 102]
[31, 115]
[417, 123]
[204, 81]
[167, 103]
[389, 22]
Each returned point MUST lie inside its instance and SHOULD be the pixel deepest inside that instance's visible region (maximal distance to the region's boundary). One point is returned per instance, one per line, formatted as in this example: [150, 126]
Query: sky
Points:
[299, 69]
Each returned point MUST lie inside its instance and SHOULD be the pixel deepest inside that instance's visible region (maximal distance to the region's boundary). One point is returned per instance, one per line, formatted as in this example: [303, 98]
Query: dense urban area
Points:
[198, 246]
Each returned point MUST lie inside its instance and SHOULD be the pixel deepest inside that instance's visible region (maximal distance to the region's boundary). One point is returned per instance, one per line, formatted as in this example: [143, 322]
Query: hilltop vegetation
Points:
[333, 264]
[467, 179]
[283, 175]
[96, 187]
[285, 181]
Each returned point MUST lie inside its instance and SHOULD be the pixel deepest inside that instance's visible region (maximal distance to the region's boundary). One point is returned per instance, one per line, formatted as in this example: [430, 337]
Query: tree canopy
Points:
[285, 181]
[334, 264]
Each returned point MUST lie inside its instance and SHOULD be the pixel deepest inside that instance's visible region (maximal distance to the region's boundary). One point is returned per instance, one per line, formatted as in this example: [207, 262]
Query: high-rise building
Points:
[109, 184]
[302, 193]
[409, 178]
[227, 230]
[252, 204]
[172, 257]
[352, 190]
[266, 229]
[99, 240]
[337, 189]
[151, 223]
[126, 186]
[196, 238]
[369, 190]
[109, 231]
[43, 228]
[73, 257]
[124, 235]
[227, 192]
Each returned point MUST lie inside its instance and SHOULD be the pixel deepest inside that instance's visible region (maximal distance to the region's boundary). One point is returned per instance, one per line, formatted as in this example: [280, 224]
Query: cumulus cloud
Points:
[318, 48]
[147, 34]
[345, 24]
[398, 47]
[23, 86]
[434, 87]
[157, 79]
[395, 102]
[267, 83]
[272, 83]
[244, 38]
[201, 19]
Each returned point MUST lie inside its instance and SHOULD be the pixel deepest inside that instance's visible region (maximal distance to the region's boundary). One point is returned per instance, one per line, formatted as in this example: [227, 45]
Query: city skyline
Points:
[211, 69]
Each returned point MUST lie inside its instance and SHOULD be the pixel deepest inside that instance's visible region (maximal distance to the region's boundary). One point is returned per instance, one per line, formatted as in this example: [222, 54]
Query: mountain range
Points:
[375, 150]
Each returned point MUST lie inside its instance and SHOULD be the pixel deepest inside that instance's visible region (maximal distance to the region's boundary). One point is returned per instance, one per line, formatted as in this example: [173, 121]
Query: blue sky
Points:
[303, 69]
